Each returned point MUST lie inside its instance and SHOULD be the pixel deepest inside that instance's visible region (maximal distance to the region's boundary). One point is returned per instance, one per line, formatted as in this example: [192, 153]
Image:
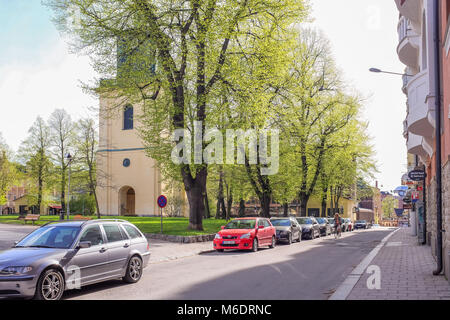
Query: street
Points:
[312, 269]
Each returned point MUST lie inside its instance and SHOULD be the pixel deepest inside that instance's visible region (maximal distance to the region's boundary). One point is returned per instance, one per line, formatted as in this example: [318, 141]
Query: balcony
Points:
[405, 79]
[409, 44]
[411, 9]
[421, 115]
[405, 129]
[417, 145]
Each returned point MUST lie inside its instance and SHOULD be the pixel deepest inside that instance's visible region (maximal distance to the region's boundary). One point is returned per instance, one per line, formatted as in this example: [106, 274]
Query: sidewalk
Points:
[406, 273]
[165, 251]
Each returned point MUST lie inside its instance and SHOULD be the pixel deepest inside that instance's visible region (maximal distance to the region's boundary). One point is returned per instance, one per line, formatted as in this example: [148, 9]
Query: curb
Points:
[346, 287]
[180, 239]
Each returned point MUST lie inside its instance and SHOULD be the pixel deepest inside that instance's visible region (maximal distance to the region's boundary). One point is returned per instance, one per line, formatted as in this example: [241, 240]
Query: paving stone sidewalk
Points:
[165, 251]
[406, 273]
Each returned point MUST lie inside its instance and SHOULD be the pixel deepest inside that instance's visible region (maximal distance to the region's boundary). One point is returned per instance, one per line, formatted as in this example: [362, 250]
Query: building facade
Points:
[417, 50]
[128, 181]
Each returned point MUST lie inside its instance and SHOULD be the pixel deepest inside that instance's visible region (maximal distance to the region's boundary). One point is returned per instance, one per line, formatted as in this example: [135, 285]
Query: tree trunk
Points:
[323, 212]
[303, 197]
[229, 203]
[285, 209]
[195, 188]
[39, 200]
[207, 210]
[265, 205]
[242, 208]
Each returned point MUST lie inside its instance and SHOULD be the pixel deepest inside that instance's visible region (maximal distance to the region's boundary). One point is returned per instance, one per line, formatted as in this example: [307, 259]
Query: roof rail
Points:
[84, 221]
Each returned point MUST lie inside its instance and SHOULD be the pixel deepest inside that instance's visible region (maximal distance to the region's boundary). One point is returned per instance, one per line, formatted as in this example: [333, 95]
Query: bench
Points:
[32, 218]
[80, 217]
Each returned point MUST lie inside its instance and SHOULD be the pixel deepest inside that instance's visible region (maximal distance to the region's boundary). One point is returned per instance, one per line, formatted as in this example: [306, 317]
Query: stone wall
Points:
[431, 217]
[446, 217]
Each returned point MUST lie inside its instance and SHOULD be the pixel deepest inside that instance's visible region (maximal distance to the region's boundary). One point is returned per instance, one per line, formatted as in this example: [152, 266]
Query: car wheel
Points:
[274, 241]
[134, 270]
[255, 245]
[312, 235]
[299, 237]
[50, 285]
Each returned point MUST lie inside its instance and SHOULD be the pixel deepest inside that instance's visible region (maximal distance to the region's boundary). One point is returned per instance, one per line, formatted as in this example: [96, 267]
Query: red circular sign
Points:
[162, 201]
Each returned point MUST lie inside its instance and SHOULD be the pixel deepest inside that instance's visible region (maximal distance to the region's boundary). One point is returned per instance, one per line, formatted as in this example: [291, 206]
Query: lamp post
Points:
[376, 70]
[69, 159]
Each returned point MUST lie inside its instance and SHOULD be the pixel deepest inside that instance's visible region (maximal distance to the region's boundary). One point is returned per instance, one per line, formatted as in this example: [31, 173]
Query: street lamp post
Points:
[376, 70]
[69, 158]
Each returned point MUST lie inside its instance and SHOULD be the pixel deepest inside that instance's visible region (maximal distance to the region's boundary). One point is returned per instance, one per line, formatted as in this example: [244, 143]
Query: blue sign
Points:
[162, 201]
[399, 212]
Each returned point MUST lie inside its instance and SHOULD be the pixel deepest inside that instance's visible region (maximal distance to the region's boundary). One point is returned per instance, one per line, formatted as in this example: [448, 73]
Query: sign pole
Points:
[161, 221]
[162, 202]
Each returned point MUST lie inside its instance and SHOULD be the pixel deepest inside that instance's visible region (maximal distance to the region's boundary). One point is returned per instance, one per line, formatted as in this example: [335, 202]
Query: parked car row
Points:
[362, 224]
[252, 233]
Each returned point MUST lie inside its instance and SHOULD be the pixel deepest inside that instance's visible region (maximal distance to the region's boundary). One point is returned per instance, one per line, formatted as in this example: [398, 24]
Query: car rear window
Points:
[113, 233]
[132, 231]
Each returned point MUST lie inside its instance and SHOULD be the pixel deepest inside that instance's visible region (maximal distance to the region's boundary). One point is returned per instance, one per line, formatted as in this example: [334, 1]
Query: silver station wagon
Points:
[70, 254]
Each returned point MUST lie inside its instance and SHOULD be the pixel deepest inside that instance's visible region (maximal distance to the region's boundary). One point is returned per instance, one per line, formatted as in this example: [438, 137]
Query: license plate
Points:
[228, 242]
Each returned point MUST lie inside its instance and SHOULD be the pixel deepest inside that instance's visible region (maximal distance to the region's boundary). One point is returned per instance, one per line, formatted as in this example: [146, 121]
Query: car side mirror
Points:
[84, 245]
[222, 227]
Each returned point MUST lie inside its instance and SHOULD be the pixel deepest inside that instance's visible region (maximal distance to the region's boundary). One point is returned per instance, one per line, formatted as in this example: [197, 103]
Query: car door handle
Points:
[126, 245]
[103, 250]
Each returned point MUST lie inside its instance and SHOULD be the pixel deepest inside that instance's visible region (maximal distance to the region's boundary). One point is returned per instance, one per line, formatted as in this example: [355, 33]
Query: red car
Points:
[246, 234]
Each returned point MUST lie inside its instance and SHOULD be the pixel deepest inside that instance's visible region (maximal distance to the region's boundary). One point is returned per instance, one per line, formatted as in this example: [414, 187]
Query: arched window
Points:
[128, 118]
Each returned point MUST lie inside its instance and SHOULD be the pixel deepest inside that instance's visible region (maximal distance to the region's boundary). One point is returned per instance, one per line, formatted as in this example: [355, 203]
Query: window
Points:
[132, 231]
[266, 223]
[51, 236]
[260, 223]
[92, 234]
[113, 233]
[128, 118]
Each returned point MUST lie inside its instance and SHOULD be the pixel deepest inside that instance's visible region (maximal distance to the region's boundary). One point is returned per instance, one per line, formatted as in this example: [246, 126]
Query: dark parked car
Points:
[361, 224]
[288, 229]
[324, 226]
[310, 227]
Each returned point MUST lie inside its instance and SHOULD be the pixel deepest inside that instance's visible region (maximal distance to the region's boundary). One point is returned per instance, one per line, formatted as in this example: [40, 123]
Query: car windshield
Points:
[58, 237]
[241, 224]
[361, 221]
[320, 220]
[281, 222]
[304, 221]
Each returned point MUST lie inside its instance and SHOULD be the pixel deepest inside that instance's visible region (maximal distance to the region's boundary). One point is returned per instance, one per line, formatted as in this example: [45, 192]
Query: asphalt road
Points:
[312, 269]
[9, 233]
[306, 270]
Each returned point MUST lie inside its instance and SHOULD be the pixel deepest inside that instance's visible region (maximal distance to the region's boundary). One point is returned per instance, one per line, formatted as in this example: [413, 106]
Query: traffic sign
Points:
[162, 201]
[417, 175]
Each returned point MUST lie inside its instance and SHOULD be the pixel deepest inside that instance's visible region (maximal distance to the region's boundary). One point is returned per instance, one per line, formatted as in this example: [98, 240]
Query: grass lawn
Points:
[173, 226]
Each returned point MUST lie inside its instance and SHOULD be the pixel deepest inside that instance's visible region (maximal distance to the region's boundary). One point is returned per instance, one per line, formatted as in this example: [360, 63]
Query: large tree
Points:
[87, 147]
[191, 43]
[7, 171]
[34, 153]
[62, 142]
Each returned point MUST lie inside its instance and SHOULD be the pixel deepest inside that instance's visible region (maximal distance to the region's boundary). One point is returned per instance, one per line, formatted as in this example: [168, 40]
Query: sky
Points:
[38, 73]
